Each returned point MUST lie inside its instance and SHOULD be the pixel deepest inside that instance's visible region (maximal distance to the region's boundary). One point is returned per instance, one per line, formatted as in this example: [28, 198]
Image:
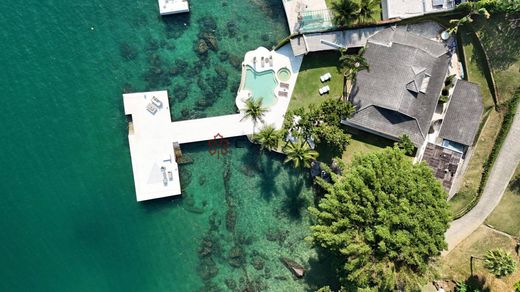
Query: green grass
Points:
[363, 142]
[314, 65]
[306, 92]
[506, 216]
[474, 67]
[456, 264]
[502, 44]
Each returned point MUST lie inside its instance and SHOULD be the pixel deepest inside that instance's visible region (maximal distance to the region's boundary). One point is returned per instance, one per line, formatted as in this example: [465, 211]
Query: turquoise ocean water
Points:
[68, 216]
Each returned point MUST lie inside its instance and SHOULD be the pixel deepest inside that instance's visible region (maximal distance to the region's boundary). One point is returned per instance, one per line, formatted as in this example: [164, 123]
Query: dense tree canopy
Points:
[321, 123]
[386, 216]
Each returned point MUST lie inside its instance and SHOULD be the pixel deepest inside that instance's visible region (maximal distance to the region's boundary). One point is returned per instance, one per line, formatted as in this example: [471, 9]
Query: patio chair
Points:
[325, 77]
[151, 108]
[156, 102]
[324, 89]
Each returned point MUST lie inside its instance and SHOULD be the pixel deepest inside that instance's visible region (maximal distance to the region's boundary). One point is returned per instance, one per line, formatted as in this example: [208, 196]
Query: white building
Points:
[411, 8]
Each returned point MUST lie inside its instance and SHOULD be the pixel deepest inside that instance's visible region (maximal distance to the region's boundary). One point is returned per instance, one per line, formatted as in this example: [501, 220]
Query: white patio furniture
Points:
[324, 89]
[325, 77]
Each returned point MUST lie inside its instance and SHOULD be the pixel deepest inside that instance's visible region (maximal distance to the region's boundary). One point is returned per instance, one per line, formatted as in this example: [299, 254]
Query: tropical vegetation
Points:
[351, 64]
[350, 12]
[386, 217]
[268, 138]
[300, 153]
[499, 262]
[254, 110]
[320, 124]
[406, 144]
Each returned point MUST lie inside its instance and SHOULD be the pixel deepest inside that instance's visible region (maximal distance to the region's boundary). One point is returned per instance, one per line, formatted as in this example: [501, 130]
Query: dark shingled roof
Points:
[463, 116]
[399, 93]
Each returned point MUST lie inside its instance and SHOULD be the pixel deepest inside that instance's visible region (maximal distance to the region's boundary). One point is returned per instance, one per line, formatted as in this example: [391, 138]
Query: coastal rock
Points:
[235, 61]
[202, 180]
[236, 257]
[230, 283]
[223, 56]
[128, 52]
[201, 48]
[231, 219]
[257, 262]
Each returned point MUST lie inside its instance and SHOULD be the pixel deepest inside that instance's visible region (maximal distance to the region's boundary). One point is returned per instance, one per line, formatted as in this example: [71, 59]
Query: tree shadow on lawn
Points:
[477, 283]
[500, 39]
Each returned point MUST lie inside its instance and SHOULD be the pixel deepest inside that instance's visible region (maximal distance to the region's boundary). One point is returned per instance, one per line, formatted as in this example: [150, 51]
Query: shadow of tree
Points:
[268, 173]
[323, 270]
[500, 39]
[294, 203]
[477, 283]
[515, 185]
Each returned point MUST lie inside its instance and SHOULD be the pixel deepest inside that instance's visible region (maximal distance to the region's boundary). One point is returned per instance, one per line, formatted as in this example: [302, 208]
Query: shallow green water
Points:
[69, 219]
[261, 85]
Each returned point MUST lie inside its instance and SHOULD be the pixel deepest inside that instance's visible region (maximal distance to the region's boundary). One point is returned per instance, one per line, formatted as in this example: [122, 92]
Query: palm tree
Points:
[367, 8]
[346, 12]
[268, 138]
[351, 65]
[254, 111]
[300, 153]
[499, 262]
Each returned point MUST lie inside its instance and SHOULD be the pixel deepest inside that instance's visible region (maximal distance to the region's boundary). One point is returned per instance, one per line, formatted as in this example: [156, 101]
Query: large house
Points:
[411, 8]
[400, 92]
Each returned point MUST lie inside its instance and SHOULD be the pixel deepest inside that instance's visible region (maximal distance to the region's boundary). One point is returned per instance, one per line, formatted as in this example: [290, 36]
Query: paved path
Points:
[499, 178]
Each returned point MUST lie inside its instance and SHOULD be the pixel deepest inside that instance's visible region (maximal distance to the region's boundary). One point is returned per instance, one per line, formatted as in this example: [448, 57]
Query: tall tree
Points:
[346, 12]
[367, 9]
[386, 217]
[300, 153]
[254, 110]
[351, 64]
[268, 138]
[499, 262]
[406, 144]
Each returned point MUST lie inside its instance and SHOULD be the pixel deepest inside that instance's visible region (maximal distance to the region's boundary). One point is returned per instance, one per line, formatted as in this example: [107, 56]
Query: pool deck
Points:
[294, 7]
[151, 136]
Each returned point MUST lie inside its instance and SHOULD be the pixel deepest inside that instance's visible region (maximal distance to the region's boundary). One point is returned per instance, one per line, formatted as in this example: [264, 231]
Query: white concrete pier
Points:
[156, 174]
[152, 134]
[167, 7]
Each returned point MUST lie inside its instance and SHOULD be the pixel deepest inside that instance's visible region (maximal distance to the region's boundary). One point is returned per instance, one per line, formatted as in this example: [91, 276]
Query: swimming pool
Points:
[283, 74]
[261, 85]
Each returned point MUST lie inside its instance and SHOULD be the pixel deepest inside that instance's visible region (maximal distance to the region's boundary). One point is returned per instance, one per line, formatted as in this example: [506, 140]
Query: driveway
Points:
[499, 178]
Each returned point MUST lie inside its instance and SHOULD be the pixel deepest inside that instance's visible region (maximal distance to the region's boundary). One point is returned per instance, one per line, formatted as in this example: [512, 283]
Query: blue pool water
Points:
[261, 85]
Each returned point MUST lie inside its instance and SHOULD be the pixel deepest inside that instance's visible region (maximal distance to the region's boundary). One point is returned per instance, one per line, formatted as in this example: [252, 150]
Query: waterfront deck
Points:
[152, 134]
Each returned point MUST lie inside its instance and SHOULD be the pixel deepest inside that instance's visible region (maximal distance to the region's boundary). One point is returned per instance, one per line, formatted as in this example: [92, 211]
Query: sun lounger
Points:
[271, 61]
[284, 85]
[283, 93]
[325, 77]
[156, 102]
[151, 108]
[324, 89]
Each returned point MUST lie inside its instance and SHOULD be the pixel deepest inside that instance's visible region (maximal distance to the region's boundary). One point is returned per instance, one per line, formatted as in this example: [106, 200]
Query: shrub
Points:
[445, 91]
[444, 98]
[517, 286]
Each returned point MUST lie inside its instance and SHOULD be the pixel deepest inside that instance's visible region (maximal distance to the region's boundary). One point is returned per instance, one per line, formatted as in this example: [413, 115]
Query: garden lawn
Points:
[456, 264]
[314, 65]
[473, 59]
[502, 44]
[506, 216]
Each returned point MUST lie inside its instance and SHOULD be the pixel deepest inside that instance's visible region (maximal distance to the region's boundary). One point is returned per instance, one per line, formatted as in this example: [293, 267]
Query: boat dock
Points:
[152, 136]
[154, 139]
[167, 7]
